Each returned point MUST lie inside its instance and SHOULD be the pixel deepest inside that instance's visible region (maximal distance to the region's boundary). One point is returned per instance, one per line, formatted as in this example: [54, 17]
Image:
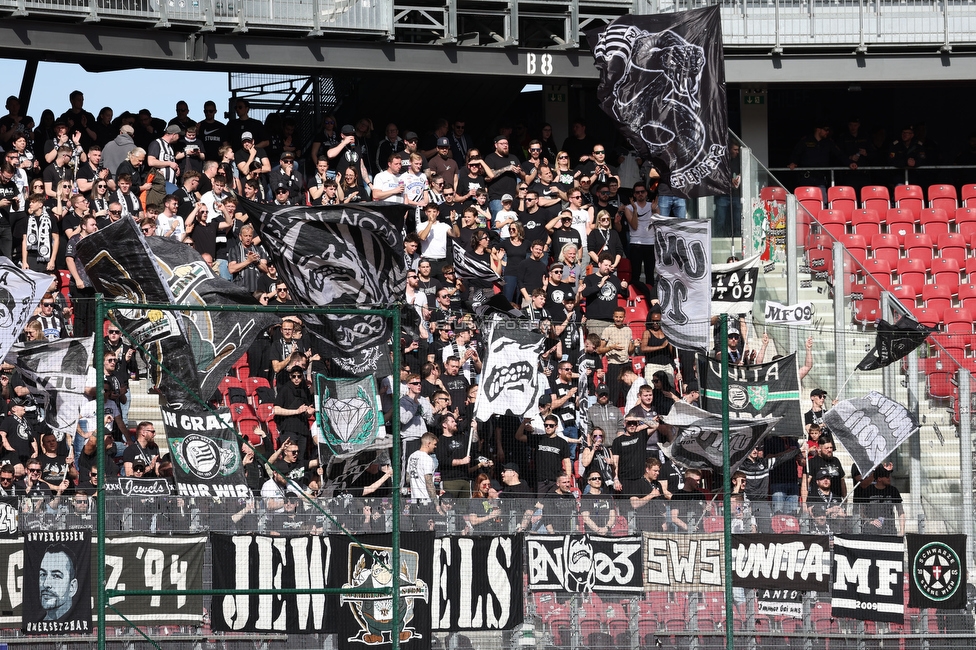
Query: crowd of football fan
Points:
[565, 233]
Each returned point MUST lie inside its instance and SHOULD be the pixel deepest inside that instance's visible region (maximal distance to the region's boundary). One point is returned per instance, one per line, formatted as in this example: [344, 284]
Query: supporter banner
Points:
[217, 338]
[56, 371]
[683, 262]
[123, 268]
[342, 473]
[584, 563]
[470, 268]
[510, 378]
[206, 453]
[8, 523]
[868, 581]
[12, 597]
[780, 602]
[734, 286]
[349, 414]
[366, 620]
[349, 256]
[698, 437]
[871, 428]
[138, 487]
[764, 390]
[57, 582]
[894, 342]
[781, 562]
[477, 583]
[20, 294]
[264, 562]
[662, 78]
[683, 562]
[937, 570]
[799, 314]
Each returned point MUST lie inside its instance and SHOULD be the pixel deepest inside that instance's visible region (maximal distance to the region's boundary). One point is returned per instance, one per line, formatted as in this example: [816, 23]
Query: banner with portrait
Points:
[57, 582]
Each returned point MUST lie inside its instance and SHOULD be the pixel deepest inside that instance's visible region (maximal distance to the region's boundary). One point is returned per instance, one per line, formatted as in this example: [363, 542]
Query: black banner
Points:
[123, 268]
[128, 486]
[763, 390]
[206, 453]
[264, 562]
[937, 566]
[775, 562]
[868, 581]
[366, 620]
[477, 583]
[217, 338]
[698, 437]
[584, 563]
[348, 255]
[662, 78]
[57, 582]
[894, 342]
[734, 286]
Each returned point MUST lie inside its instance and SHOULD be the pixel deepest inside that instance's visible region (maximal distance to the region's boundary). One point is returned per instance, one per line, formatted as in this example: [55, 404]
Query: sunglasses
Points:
[147, 229]
[296, 374]
[535, 150]
[593, 478]
[550, 426]
[47, 304]
[114, 332]
[115, 212]
[413, 383]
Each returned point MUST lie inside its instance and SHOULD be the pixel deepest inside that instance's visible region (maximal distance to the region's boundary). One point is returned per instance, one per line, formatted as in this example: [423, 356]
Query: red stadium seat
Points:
[952, 246]
[941, 385]
[937, 297]
[879, 271]
[910, 197]
[900, 221]
[842, 198]
[958, 321]
[833, 222]
[774, 193]
[226, 384]
[820, 254]
[875, 197]
[926, 316]
[919, 246]
[857, 247]
[971, 270]
[886, 247]
[943, 197]
[912, 273]
[967, 297]
[969, 195]
[251, 385]
[866, 223]
[935, 221]
[810, 198]
[965, 220]
[868, 308]
[945, 272]
[240, 367]
[906, 295]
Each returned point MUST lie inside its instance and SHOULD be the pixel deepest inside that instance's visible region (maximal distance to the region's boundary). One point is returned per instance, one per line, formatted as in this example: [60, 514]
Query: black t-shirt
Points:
[632, 451]
[204, 236]
[833, 466]
[601, 301]
[53, 470]
[549, 455]
[457, 386]
[515, 255]
[531, 274]
[690, 506]
[562, 237]
[466, 184]
[534, 224]
[211, 135]
[505, 182]
[19, 436]
[451, 448]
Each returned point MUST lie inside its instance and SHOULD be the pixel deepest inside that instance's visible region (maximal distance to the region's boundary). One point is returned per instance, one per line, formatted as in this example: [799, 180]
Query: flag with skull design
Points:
[510, 383]
[662, 78]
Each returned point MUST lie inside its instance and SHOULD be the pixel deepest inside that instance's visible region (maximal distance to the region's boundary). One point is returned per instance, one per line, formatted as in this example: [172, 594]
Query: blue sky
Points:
[56, 80]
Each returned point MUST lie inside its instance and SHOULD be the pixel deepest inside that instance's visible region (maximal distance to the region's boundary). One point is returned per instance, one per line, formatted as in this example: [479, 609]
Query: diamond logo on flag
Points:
[351, 420]
[758, 396]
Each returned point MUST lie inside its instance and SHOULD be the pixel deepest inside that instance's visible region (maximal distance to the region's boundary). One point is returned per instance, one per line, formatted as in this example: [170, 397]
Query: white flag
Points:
[20, 294]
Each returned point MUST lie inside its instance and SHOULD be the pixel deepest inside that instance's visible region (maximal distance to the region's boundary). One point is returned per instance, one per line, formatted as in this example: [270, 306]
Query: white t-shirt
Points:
[414, 185]
[419, 465]
[435, 246]
[384, 182]
[164, 223]
[642, 236]
[505, 215]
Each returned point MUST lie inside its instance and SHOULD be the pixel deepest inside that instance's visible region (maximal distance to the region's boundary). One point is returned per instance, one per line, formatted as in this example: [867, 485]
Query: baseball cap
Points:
[823, 472]
[410, 135]
[602, 389]
[818, 392]
[247, 135]
[174, 129]
[507, 197]
[287, 155]
[545, 399]
[127, 129]
[443, 142]
[348, 129]
[499, 138]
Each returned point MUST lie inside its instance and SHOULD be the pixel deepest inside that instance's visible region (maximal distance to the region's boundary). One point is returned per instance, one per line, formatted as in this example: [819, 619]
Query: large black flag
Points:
[763, 390]
[894, 342]
[217, 338]
[870, 428]
[662, 78]
[206, 453]
[698, 437]
[340, 256]
[123, 268]
[937, 570]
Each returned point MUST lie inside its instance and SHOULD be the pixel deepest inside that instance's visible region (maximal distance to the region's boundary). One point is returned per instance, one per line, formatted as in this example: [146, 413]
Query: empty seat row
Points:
[876, 197]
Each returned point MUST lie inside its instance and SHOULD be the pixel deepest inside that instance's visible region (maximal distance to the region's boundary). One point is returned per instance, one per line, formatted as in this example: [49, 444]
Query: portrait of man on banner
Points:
[57, 582]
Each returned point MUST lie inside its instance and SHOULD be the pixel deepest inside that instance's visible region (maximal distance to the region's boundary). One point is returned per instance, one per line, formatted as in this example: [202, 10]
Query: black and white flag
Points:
[683, 265]
[477, 583]
[123, 268]
[894, 342]
[470, 268]
[683, 562]
[734, 286]
[801, 313]
[57, 582]
[697, 437]
[510, 378]
[20, 294]
[217, 338]
[868, 581]
[662, 78]
[206, 453]
[763, 390]
[937, 571]
[584, 563]
[871, 428]
[781, 561]
[349, 256]
[350, 416]
[56, 372]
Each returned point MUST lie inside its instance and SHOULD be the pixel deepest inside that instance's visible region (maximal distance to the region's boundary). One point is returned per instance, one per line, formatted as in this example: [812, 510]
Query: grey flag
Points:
[870, 428]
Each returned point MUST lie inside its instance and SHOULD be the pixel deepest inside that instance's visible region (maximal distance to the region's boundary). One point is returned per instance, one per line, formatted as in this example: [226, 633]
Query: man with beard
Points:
[17, 437]
[650, 501]
[57, 583]
[454, 382]
[453, 458]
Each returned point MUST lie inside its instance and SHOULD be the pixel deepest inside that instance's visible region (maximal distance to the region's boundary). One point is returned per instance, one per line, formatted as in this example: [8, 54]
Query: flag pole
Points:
[844, 385]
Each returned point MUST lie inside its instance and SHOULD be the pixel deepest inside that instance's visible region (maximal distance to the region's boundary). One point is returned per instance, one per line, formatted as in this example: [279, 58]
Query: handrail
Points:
[871, 168]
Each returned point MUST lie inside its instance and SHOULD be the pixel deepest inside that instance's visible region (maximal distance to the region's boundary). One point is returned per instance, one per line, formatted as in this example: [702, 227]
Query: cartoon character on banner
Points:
[374, 612]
